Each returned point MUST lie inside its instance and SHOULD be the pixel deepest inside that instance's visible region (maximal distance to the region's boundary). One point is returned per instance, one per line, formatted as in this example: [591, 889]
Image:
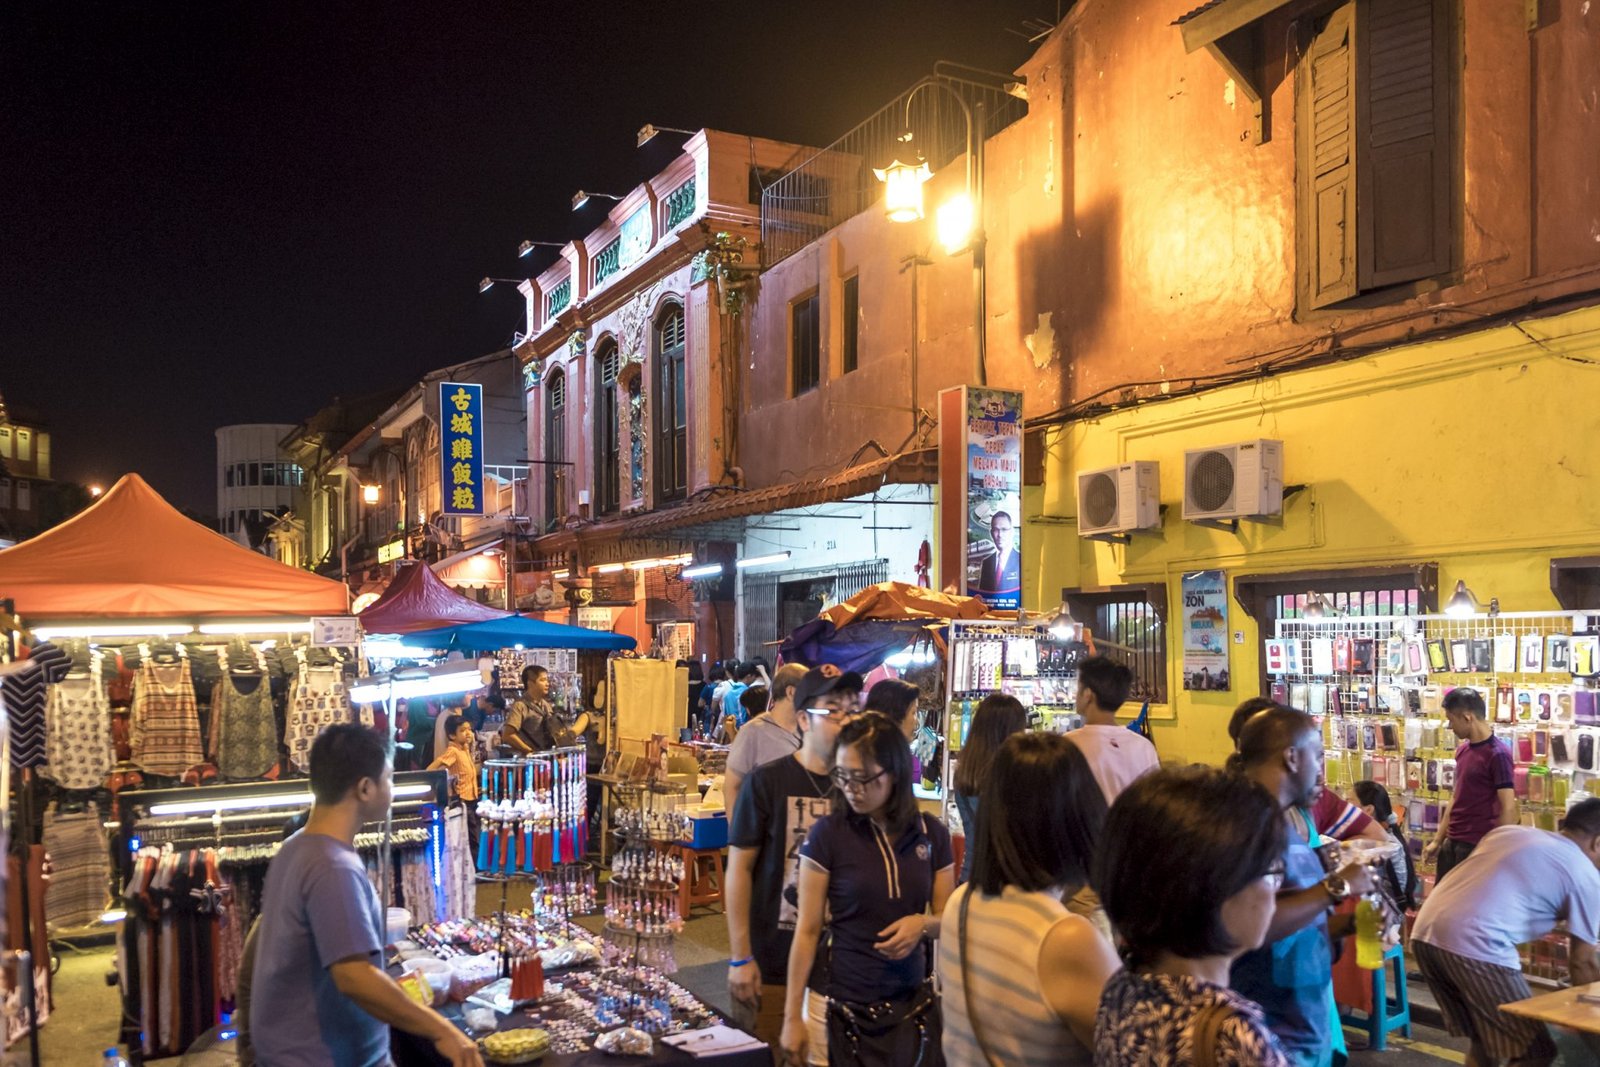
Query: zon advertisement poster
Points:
[1205, 630]
[994, 497]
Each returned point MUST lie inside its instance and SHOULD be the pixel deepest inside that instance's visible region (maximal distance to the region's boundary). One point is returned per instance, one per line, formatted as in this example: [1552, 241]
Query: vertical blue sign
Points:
[461, 448]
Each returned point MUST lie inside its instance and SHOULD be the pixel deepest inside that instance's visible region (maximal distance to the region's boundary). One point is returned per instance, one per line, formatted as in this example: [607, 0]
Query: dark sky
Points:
[217, 212]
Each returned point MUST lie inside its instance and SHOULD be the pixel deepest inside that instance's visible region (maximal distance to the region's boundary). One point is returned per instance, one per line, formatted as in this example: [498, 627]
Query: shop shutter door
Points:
[1403, 142]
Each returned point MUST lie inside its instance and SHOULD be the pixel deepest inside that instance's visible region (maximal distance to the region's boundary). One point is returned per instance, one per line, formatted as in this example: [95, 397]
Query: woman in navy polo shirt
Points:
[877, 865]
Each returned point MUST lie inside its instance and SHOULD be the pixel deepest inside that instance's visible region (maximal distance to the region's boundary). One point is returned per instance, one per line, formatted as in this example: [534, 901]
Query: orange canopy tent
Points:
[132, 554]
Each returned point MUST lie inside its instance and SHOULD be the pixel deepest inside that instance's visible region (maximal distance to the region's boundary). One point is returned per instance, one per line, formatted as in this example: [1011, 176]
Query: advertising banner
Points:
[993, 520]
[1205, 630]
[461, 448]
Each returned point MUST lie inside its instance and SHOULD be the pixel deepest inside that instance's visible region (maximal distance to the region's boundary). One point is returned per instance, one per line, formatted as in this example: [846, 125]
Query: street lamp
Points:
[959, 226]
[902, 198]
[582, 196]
[647, 133]
[527, 247]
[485, 284]
[369, 494]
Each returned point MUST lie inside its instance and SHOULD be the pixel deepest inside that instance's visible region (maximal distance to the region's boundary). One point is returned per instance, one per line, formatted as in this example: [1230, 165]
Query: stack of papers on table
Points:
[713, 1041]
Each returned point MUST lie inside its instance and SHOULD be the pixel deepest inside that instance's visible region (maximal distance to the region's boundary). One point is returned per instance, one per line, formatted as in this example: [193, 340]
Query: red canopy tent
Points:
[132, 554]
[418, 600]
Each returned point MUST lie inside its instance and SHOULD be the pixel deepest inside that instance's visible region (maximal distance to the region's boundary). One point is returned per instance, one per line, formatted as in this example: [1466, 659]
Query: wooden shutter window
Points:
[1403, 141]
[1325, 146]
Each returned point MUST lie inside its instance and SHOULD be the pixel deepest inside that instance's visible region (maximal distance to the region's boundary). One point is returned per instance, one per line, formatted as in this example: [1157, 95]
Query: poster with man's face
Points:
[994, 497]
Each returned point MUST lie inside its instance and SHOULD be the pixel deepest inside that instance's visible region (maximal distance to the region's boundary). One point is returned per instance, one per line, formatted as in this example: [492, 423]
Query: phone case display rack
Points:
[643, 915]
[1020, 658]
[1377, 683]
[221, 835]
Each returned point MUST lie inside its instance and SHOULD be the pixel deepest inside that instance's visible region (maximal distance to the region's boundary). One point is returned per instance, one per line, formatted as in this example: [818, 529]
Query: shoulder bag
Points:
[1205, 1033]
[966, 978]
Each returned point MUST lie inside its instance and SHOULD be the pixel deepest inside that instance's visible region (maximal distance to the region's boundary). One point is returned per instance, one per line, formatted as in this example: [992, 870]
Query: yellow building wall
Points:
[1480, 453]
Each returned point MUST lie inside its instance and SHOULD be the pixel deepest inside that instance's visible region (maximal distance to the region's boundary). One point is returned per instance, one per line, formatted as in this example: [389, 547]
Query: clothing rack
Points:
[241, 834]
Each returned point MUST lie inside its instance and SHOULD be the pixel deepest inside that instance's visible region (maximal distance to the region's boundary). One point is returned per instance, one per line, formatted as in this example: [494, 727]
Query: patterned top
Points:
[23, 694]
[244, 734]
[1146, 1020]
[165, 722]
[78, 730]
[319, 698]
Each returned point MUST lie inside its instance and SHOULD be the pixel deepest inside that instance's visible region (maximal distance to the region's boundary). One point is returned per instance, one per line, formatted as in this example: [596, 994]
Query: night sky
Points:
[220, 212]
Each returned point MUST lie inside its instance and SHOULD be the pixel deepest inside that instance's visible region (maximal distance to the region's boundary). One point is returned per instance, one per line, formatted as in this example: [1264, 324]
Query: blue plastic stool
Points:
[1386, 1014]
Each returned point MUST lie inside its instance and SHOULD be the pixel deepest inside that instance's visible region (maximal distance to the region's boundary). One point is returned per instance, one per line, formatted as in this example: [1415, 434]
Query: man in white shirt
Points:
[1117, 756]
[1515, 886]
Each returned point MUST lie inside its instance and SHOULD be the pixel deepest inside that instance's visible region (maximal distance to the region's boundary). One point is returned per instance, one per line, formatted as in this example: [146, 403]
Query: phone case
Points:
[1447, 774]
[1415, 663]
[1519, 780]
[1389, 739]
[1280, 692]
[1541, 743]
[1524, 748]
[1482, 654]
[1394, 655]
[1586, 752]
[1361, 654]
[1352, 734]
[1558, 748]
[1413, 774]
[1555, 653]
[1505, 653]
[1433, 774]
[1341, 655]
[1505, 704]
[1544, 702]
[1460, 656]
[1532, 654]
[1438, 659]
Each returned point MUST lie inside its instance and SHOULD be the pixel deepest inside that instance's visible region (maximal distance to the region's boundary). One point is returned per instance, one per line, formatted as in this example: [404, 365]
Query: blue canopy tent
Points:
[519, 631]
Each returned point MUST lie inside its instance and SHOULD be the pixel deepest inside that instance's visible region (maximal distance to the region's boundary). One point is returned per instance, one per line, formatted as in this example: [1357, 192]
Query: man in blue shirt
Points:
[320, 995]
[1290, 975]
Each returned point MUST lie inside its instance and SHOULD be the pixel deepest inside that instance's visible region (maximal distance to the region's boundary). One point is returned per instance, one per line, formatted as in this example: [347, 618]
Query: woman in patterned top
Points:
[1188, 869]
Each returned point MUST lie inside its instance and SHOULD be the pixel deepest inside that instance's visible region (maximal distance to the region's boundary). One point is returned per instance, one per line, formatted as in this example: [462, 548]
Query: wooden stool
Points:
[702, 878]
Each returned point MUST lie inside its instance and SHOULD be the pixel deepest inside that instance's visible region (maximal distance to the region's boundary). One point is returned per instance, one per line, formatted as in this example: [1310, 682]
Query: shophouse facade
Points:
[387, 505]
[24, 471]
[1361, 229]
[632, 375]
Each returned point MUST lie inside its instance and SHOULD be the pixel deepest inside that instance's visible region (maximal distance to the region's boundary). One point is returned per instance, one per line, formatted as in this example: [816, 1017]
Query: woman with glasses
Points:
[874, 867]
[1021, 974]
[1189, 868]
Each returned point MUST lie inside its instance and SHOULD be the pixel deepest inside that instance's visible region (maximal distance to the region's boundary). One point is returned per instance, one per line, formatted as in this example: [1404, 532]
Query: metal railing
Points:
[837, 183]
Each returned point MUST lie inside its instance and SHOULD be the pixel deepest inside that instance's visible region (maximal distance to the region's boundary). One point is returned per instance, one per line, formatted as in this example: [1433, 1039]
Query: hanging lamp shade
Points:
[903, 189]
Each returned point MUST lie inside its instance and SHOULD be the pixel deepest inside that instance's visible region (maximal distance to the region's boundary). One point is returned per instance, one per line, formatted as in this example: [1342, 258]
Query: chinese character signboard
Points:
[980, 479]
[1205, 630]
[461, 447]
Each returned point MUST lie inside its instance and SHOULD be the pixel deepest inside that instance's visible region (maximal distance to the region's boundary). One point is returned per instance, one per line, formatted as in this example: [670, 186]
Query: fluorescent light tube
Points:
[756, 561]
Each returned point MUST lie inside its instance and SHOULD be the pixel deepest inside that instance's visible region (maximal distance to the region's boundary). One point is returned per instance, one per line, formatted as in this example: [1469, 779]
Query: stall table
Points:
[1562, 1008]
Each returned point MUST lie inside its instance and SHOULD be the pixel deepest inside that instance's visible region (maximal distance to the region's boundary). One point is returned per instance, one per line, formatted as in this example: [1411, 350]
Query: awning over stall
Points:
[133, 555]
[418, 600]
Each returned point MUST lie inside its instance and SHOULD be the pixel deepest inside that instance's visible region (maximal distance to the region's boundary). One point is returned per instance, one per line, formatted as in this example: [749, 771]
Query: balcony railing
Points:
[557, 299]
[608, 261]
[680, 204]
[837, 183]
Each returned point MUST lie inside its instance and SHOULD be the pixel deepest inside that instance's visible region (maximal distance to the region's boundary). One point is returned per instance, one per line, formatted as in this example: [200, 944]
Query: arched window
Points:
[555, 446]
[607, 431]
[671, 408]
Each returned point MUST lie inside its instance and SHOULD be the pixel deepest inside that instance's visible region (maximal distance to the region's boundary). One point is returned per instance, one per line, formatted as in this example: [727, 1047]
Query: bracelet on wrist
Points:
[742, 963]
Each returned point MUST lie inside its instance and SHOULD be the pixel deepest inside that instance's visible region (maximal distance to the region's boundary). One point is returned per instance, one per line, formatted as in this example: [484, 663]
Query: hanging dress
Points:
[165, 720]
[319, 698]
[244, 737]
[77, 721]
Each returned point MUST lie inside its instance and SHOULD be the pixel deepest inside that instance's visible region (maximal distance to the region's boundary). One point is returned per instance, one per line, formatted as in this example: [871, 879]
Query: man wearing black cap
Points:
[776, 808]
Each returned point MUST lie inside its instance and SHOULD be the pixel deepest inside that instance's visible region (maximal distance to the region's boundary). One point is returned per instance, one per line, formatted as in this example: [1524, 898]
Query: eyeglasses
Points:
[846, 780]
[834, 714]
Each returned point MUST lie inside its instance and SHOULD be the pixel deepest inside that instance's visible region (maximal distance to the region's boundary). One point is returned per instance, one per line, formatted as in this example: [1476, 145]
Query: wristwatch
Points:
[1338, 890]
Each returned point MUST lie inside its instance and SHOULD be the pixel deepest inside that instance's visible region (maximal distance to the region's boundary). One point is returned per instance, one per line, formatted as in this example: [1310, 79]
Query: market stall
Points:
[1375, 670]
[173, 652]
[417, 599]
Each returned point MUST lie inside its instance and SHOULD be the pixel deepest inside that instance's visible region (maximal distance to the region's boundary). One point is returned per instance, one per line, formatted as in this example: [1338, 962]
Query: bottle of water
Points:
[113, 1058]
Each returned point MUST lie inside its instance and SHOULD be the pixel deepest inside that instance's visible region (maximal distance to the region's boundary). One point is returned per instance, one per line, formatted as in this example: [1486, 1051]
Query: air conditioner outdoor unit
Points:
[1117, 500]
[1238, 481]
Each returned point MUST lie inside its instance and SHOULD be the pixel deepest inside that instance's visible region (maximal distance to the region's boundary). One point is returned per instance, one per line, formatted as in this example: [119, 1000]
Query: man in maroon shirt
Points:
[1485, 796]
